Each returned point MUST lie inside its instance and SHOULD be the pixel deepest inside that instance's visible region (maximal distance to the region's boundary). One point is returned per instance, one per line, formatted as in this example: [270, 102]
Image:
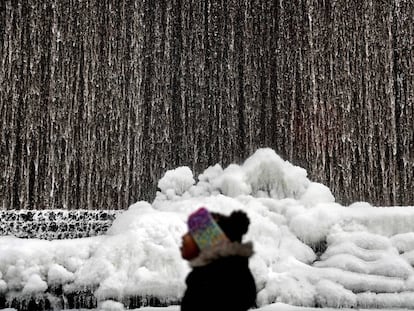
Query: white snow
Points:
[331, 294]
[403, 242]
[176, 182]
[368, 260]
[409, 257]
[58, 274]
[34, 285]
[110, 305]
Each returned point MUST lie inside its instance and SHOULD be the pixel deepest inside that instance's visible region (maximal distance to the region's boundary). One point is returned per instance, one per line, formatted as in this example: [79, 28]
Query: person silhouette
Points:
[220, 278]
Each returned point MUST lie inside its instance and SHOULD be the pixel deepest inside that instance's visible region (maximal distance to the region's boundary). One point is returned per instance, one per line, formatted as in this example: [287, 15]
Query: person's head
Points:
[207, 229]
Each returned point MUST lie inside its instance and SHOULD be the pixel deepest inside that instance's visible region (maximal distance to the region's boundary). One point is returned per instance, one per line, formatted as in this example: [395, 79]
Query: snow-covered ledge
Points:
[55, 224]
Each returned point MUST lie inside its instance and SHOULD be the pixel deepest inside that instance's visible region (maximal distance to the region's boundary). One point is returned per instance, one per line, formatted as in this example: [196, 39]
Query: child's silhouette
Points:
[221, 278]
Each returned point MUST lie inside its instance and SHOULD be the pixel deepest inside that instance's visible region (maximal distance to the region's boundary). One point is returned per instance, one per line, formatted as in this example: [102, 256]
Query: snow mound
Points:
[309, 250]
[264, 174]
[364, 253]
[386, 300]
[404, 242]
[392, 266]
[176, 182]
[332, 295]
[58, 274]
[34, 285]
[110, 305]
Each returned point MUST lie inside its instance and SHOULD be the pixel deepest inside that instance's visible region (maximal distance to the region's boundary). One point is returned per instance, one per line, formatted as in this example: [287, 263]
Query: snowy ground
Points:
[309, 250]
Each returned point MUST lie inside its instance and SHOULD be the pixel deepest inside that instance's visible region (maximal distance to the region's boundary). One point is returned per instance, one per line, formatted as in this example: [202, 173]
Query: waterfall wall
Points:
[99, 98]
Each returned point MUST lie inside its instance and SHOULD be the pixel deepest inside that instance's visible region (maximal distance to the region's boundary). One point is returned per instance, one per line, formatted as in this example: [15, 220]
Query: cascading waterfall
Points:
[99, 98]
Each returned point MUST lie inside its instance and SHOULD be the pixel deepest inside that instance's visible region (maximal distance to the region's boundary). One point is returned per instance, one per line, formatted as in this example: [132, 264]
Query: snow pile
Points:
[383, 221]
[309, 250]
[176, 182]
[110, 305]
[331, 294]
[265, 174]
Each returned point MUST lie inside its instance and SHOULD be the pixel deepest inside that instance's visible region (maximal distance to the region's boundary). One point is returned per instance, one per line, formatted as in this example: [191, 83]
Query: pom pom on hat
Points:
[234, 226]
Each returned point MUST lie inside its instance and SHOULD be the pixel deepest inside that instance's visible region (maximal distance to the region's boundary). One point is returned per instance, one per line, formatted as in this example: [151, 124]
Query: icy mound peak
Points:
[267, 172]
[264, 174]
[177, 181]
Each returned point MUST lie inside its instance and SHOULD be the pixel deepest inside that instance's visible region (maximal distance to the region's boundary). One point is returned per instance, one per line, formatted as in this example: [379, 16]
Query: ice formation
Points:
[309, 250]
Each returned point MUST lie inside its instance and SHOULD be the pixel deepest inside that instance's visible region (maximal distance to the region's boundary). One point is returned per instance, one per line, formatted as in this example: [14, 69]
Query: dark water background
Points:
[99, 98]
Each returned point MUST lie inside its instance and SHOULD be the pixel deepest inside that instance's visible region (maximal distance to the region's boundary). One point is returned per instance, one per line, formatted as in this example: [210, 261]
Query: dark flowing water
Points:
[99, 98]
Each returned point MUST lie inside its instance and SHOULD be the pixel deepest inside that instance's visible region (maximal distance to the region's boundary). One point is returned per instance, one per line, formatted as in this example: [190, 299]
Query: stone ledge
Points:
[56, 224]
[82, 299]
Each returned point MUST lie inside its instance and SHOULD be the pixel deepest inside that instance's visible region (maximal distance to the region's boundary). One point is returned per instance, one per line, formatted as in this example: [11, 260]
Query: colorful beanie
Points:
[204, 230]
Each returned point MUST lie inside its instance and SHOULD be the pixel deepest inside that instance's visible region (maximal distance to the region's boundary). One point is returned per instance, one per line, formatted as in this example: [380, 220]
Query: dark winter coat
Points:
[221, 280]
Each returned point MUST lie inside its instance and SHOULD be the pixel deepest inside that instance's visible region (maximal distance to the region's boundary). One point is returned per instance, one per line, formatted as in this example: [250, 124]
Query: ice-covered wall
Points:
[55, 224]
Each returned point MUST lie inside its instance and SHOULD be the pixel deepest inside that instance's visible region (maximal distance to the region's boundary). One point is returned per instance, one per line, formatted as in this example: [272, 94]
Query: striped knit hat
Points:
[204, 229]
